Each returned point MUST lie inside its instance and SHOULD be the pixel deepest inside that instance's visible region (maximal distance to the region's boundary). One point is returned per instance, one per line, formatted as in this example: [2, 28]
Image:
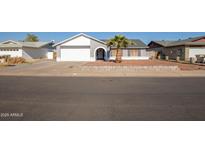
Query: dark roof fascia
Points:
[156, 43]
[131, 48]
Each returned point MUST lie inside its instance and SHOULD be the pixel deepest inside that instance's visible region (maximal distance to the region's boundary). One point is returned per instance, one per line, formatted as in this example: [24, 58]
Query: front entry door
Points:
[100, 54]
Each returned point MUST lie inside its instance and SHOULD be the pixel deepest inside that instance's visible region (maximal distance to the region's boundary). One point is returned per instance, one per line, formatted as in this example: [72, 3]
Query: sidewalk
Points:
[139, 74]
[110, 74]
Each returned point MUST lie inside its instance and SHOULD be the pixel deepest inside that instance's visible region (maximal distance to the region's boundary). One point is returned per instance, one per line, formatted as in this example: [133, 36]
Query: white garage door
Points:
[75, 54]
[196, 51]
[11, 53]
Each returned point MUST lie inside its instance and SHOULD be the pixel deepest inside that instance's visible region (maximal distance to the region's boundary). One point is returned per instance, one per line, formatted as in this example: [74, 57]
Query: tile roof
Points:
[137, 43]
[19, 44]
[188, 41]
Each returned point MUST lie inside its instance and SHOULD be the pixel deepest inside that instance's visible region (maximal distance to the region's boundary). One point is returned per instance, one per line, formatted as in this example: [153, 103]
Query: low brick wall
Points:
[128, 68]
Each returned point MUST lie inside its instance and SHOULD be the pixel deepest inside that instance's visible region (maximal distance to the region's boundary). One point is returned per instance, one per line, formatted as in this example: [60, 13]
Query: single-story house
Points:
[185, 49]
[83, 47]
[137, 51]
[27, 50]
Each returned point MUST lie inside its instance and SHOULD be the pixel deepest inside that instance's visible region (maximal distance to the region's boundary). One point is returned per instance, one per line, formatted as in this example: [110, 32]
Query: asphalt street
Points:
[95, 98]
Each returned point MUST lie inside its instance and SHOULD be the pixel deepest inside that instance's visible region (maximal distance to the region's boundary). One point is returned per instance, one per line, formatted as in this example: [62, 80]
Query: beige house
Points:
[185, 49]
[27, 50]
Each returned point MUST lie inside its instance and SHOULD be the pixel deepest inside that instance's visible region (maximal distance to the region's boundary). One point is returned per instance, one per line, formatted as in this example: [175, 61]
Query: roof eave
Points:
[157, 43]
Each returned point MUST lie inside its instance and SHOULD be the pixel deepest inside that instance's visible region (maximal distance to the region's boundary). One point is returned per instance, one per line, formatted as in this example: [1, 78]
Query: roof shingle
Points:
[188, 41]
[18, 44]
[137, 44]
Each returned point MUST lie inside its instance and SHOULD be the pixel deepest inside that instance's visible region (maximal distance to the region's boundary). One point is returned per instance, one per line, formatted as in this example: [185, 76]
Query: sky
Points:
[59, 36]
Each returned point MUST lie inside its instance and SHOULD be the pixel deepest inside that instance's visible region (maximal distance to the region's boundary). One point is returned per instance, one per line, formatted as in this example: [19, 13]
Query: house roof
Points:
[162, 43]
[81, 34]
[189, 41]
[18, 44]
[137, 44]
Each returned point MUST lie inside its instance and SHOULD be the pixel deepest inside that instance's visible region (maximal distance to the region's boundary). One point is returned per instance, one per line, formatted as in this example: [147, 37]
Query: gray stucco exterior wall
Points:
[95, 44]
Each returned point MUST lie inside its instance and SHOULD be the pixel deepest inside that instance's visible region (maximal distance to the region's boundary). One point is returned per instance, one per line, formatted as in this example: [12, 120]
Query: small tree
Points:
[119, 41]
[31, 38]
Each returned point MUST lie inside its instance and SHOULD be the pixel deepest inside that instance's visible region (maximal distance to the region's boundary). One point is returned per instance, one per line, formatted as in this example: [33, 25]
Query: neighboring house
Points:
[185, 49]
[83, 47]
[27, 50]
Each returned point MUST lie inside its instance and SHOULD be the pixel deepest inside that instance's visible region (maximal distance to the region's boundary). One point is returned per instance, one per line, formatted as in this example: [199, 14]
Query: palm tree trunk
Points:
[118, 58]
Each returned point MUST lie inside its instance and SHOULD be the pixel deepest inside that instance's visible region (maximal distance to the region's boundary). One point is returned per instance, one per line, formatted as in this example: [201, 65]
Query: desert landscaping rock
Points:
[128, 68]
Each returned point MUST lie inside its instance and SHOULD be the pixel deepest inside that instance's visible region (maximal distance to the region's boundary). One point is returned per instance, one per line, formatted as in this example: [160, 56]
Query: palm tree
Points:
[119, 41]
[31, 38]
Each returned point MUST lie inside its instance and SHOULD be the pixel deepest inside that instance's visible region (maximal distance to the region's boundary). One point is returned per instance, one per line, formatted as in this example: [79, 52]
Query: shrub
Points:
[16, 60]
[6, 57]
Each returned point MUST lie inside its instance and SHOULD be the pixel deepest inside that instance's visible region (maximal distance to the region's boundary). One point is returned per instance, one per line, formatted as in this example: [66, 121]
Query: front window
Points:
[113, 53]
[125, 52]
[179, 52]
[132, 53]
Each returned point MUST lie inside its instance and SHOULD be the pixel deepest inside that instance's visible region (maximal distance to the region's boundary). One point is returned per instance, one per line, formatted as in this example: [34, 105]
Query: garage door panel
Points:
[11, 53]
[75, 54]
[196, 51]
